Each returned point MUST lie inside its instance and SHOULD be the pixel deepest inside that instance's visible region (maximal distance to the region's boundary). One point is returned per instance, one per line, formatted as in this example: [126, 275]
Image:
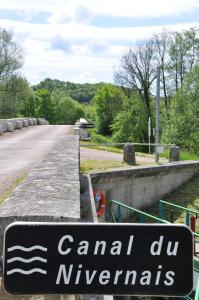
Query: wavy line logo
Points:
[27, 260]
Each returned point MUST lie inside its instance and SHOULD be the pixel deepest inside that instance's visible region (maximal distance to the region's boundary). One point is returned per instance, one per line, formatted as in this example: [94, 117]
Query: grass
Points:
[99, 147]
[184, 155]
[88, 166]
[9, 190]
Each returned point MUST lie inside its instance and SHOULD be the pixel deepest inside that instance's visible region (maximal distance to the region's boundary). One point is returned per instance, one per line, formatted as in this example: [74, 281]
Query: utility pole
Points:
[157, 127]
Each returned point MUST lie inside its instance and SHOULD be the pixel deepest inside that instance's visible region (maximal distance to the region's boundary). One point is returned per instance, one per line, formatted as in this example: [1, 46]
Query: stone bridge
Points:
[54, 191]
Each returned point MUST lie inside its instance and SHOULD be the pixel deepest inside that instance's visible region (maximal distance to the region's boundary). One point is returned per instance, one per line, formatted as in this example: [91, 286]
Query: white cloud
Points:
[68, 48]
[84, 77]
[83, 59]
[141, 8]
[81, 10]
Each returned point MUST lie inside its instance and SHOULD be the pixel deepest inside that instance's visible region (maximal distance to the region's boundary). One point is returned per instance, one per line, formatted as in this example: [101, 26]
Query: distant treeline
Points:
[82, 93]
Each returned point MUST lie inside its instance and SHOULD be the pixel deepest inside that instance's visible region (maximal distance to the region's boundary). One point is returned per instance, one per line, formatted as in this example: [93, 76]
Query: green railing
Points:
[160, 220]
[142, 214]
[163, 203]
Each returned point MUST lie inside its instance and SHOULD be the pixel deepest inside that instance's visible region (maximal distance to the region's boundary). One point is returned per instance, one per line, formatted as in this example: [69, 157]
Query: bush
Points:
[99, 138]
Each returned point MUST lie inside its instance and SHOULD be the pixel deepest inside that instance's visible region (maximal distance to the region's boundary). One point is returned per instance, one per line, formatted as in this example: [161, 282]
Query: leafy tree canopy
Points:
[80, 92]
[183, 128]
[108, 101]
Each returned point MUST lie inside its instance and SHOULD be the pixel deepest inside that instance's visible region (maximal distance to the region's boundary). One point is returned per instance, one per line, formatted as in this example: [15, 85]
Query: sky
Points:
[84, 40]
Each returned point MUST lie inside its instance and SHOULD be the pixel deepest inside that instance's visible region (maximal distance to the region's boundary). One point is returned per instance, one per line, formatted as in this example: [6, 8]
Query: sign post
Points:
[115, 259]
[149, 134]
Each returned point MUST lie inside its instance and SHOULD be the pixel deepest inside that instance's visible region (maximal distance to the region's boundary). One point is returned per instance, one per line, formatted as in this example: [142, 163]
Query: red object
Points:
[193, 223]
[99, 196]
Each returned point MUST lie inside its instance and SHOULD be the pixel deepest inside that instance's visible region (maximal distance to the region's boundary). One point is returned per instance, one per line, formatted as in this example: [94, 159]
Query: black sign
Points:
[74, 258]
[87, 125]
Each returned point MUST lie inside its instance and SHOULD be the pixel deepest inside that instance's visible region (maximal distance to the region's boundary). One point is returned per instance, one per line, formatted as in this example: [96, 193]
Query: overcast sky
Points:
[83, 40]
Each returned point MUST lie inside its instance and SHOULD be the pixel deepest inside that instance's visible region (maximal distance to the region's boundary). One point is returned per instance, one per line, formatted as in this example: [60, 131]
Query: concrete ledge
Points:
[30, 122]
[9, 125]
[34, 121]
[141, 187]
[51, 192]
[87, 202]
[19, 124]
[41, 121]
[25, 123]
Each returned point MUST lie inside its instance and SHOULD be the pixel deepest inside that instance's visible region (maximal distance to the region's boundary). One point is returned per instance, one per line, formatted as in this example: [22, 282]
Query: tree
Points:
[31, 105]
[11, 56]
[68, 111]
[46, 107]
[83, 93]
[162, 42]
[13, 93]
[183, 128]
[184, 55]
[130, 124]
[107, 101]
[138, 71]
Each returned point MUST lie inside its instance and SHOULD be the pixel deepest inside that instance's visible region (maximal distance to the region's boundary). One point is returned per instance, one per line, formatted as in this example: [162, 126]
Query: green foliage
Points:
[90, 112]
[31, 105]
[13, 93]
[67, 111]
[83, 93]
[130, 124]
[183, 128]
[11, 57]
[46, 108]
[183, 155]
[99, 138]
[108, 101]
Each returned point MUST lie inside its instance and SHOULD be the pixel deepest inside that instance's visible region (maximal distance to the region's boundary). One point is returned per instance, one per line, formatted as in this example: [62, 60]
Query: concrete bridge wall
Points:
[7, 125]
[142, 187]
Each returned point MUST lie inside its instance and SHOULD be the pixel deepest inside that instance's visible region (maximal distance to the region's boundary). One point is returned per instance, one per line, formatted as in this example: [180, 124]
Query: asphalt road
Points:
[21, 149]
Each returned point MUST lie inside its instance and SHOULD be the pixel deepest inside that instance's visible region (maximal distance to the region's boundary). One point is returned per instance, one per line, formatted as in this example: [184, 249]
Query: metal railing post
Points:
[187, 218]
[138, 211]
[119, 214]
[141, 219]
[161, 210]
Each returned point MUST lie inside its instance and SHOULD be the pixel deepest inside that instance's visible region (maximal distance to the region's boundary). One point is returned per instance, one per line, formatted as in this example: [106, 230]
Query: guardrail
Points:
[162, 203]
[122, 144]
[143, 214]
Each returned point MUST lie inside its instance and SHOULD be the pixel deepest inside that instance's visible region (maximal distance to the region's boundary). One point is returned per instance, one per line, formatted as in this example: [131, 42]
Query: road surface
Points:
[21, 149]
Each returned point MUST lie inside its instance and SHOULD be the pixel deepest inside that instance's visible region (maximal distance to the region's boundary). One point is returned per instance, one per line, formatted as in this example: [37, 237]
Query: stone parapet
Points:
[51, 191]
[9, 125]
